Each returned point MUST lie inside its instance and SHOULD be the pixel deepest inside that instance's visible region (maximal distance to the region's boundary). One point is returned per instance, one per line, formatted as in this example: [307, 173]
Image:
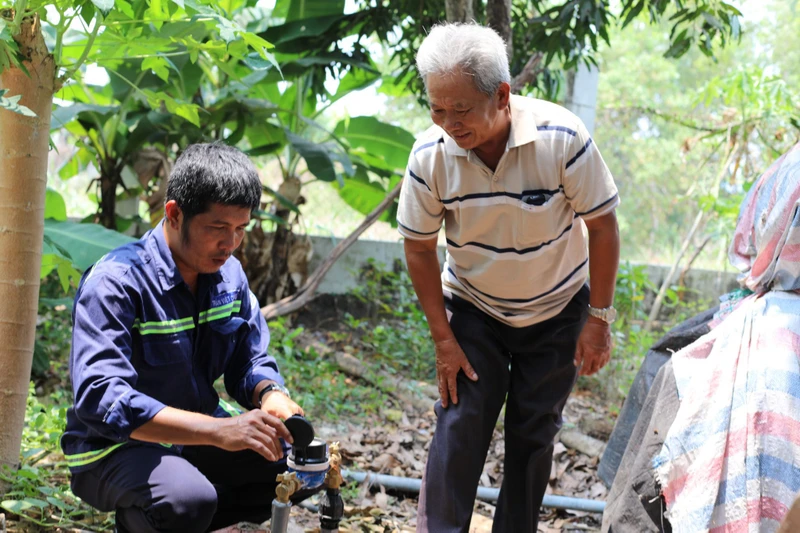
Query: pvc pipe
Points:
[484, 493]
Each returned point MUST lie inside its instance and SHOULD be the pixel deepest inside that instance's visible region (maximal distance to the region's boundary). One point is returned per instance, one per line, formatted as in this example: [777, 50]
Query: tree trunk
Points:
[109, 178]
[459, 10]
[498, 17]
[24, 146]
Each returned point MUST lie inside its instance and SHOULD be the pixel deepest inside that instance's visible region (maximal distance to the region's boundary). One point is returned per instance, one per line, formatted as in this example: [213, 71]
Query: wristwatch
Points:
[273, 387]
[606, 314]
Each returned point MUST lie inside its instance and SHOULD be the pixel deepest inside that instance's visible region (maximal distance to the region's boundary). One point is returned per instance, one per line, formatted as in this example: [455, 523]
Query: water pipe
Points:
[281, 505]
[488, 494]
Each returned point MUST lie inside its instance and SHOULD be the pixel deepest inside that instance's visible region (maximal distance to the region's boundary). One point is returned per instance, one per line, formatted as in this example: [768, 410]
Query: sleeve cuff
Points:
[601, 209]
[417, 235]
[253, 378]
[129, 412]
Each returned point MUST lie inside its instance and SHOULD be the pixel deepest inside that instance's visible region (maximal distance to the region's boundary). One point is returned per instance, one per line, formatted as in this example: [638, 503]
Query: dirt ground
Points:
[400, 449]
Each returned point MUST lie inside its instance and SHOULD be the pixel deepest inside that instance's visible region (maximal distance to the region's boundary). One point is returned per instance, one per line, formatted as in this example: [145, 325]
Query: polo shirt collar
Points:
[523, 128]
[168, 274]
[451, 147]
[523, 125]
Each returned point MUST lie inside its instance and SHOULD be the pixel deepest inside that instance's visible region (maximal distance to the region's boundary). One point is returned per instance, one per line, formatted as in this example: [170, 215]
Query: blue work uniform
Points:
[143, 341]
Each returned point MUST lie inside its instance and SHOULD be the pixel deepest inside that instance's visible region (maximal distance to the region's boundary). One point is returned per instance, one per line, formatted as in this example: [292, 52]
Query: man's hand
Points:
[254, 430]
[279, 405]
[450, 359]
[594, 347]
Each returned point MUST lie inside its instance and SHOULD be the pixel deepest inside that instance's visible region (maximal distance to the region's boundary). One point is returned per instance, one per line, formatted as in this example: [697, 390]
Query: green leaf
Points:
[713, 21]
[63, 115]
[5, 32]
[732, 9]
[67, 273]
[264, 149]
[362, 194]
[86, 243]
[158, 65]
[392, 143]
[265, 215]
[157, 13]
[282, 199]
[73, 166]
[54, 205]
[317, 157]
[300, 29]
[227, 29]
[35, 502]
[16, 506]
[55, 502]
[355, 80]
[679, 47]
[633, 13]
[303, 9]
[124, 7]
[190, 112]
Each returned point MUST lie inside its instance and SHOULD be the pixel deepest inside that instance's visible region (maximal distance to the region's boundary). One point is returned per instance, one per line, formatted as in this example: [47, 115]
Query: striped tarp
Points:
[731, 459]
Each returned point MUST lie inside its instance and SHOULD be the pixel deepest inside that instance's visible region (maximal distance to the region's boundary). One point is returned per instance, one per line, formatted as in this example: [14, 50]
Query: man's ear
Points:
[503, 95]
[173, 214]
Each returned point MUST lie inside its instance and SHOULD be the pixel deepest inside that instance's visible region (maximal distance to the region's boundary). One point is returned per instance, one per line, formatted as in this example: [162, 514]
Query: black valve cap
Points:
[301, 430]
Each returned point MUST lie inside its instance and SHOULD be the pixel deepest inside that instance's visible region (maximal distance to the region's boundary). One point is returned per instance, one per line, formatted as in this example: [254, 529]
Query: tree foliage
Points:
[563, 32]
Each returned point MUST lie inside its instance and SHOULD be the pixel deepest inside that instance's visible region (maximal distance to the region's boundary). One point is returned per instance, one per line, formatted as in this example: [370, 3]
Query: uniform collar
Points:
[168, 274]
[523, 128]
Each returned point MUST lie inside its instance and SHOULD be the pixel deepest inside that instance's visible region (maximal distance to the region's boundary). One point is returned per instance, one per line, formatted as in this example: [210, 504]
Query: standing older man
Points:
[515, 180]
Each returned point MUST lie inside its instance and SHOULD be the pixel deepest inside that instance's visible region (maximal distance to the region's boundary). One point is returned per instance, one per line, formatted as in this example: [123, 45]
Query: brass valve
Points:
[333, 479]
[288, 485]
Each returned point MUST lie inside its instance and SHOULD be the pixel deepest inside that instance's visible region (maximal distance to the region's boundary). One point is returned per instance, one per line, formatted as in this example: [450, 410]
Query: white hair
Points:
[475, 50]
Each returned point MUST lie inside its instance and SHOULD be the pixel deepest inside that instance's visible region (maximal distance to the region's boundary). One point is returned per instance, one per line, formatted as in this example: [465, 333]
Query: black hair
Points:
[205, 174]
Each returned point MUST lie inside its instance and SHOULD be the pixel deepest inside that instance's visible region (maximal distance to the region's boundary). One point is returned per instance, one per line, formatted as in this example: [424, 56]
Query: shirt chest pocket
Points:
[220, 340]
[172, 350]
[227, 326]
[541, 218]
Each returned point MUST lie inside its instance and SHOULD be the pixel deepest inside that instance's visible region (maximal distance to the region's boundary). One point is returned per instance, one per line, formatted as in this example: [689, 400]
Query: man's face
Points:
[209, 239]
[469, 116]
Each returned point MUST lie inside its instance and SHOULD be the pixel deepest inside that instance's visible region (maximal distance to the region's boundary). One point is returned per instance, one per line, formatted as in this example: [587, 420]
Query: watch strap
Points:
[273, 387]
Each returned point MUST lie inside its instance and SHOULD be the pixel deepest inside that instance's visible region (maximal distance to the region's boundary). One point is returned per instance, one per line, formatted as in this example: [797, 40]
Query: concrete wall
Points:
[581, 97]
[343, 276]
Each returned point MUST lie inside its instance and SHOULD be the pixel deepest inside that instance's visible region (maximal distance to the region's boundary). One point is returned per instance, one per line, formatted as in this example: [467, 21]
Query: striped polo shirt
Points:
[516, 246]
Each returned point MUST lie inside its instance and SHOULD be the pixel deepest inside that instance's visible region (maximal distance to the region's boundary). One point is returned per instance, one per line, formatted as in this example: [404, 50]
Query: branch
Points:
[528, 73]
[690, 262]
[685, 246]
[306, 293]
[711, 130]
[668, 280]
[86, 51]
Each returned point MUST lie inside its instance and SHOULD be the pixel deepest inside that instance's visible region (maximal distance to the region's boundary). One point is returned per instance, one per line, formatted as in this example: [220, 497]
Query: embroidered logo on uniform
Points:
[224, 298]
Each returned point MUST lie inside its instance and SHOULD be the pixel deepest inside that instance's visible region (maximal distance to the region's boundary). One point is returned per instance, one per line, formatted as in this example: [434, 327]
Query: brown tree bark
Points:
[498, 17]
[459, 10]
[24, 146]
[110, 176]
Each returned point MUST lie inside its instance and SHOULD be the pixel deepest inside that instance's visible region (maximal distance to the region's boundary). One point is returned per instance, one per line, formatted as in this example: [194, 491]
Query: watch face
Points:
[611, 314]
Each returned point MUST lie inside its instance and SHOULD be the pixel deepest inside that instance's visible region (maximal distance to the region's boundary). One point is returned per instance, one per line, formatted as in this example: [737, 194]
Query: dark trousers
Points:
[530, 368]
[156, 490]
